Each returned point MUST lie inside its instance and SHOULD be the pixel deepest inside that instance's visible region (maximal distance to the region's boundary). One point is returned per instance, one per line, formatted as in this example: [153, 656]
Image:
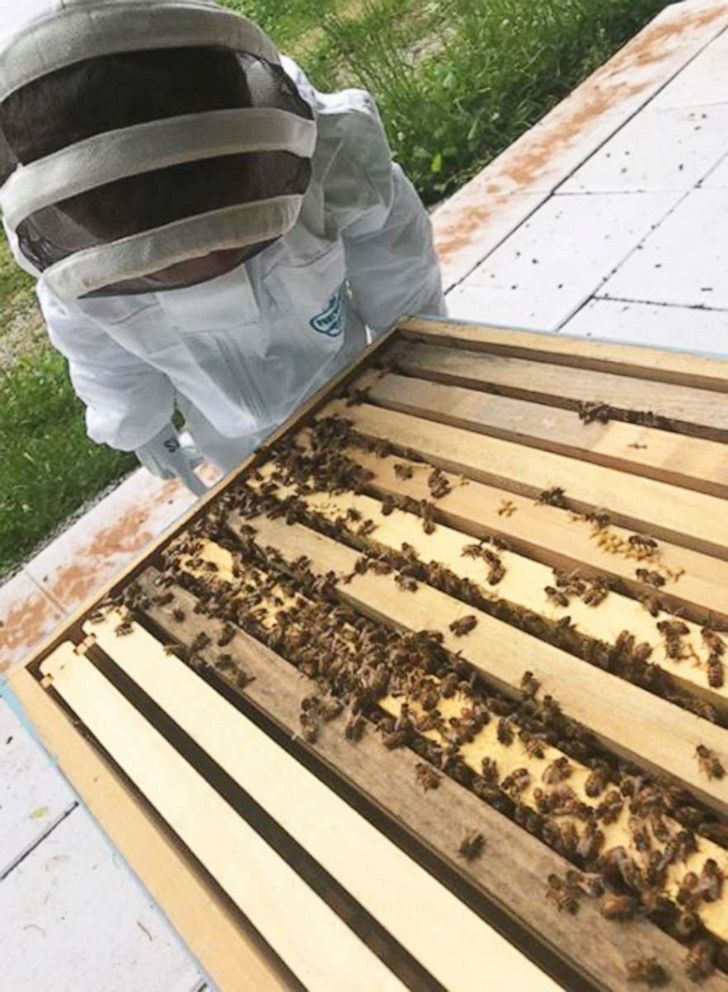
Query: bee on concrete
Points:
[700, 960]
[426, 776]
[558, 771]
[472, 845]
[647, 971]
[709, 762]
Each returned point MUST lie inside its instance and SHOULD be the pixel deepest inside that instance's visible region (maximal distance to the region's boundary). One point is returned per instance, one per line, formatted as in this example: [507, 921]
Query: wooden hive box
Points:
[430, 694]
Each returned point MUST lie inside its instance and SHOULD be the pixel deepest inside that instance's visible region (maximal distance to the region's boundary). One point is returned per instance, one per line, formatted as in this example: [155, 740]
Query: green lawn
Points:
[457, 81]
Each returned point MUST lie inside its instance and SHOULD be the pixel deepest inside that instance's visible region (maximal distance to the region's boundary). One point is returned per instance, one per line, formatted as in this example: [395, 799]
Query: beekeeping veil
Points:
[40, 199]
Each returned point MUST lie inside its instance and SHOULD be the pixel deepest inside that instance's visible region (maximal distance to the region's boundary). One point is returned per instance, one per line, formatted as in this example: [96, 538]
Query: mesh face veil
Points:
[211, 159]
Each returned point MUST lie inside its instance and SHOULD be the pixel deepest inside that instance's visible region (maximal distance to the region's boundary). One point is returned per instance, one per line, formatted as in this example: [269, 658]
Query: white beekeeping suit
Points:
[239, 352]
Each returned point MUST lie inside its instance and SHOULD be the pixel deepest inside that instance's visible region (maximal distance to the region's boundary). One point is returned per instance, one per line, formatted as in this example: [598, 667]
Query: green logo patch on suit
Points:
[329, 321]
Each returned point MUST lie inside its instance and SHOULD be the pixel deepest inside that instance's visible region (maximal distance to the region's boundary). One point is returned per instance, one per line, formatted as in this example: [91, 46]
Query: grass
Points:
[456, 80]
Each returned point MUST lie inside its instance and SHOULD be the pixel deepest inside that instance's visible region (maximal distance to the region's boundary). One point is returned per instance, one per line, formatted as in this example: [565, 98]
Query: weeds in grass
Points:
[48, 467]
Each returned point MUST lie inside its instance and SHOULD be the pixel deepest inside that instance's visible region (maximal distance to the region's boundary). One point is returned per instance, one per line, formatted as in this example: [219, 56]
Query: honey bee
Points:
[650, 578]
[642, 542]
[555, 496]
[647, 971]
[517, 781]
[709, 762]
[558, 771]
[403, 471]
[562, 895]
[505, 732]
[123, 629]
[406, 582]
[464, 625]
[557, 596]
[438, 484]
[614, 906]
[226, 636]
[472, 845]
[426, 776]
[178, 615]
[597, 781]
[700, 960]
[716, 673]
[164, 600]
[388, 506]
[201, 641]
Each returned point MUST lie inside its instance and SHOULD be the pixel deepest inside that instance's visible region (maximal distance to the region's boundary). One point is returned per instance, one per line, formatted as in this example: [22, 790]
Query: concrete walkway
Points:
[608, 219]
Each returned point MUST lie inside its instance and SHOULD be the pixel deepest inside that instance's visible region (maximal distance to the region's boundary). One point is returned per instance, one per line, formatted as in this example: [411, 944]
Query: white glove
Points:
[170, 455]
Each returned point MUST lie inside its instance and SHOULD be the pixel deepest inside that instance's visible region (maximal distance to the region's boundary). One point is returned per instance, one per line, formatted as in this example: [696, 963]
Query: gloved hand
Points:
[170, 455]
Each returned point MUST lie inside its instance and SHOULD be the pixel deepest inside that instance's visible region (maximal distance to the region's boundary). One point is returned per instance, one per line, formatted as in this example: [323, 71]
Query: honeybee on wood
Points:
[716, 673]
[614, 906]
[403, 471]
[647, 971]
[226, 636]
[178, 615]
[123, 629]
[597, 780]
[642, 542]
[700, 960]
[225, 663]
[426, 776]
[555, 496]
[505, 732]
[709, 762]
[687, 925]
[406, 582]
[517, 782]
[201, 641]
[590, 843]
[535, 746]
[710, 883]
[562, 895]
[354, 729]
[464, 625]
[650, 578]
[472, 845]
[588, 883]
[438, 484]
[557, 596]
[558, 771]
[490, 771]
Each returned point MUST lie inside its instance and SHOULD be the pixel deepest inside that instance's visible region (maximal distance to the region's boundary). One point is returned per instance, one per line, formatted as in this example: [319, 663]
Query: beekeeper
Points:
[210, 234]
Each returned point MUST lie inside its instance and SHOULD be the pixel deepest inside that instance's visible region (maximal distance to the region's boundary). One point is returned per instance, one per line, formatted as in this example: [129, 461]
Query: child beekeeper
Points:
[210, 234]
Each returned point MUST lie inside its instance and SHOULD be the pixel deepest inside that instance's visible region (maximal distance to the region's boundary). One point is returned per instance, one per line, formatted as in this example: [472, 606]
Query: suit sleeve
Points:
[127, 401]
